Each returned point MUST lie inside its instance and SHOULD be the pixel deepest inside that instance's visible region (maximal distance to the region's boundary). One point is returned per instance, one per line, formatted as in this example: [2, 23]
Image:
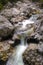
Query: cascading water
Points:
[16, 58]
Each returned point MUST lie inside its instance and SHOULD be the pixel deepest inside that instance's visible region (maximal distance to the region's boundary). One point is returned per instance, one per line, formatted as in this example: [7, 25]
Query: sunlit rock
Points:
[5, 51]
[32, 46]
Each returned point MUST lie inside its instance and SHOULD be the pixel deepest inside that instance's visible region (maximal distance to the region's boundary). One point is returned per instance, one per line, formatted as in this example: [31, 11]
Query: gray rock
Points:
[40, 47]
[5, 27]
[32, 57]
[8, 5]
[24, 8]
[41, 29]
[15, 36]
[37, 36]
[10, 42]
[10, 12]
[17, 19]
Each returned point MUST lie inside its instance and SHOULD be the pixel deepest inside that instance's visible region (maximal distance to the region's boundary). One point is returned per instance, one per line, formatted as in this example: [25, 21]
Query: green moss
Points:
[3, 2]
[41, 1]
[1, 6]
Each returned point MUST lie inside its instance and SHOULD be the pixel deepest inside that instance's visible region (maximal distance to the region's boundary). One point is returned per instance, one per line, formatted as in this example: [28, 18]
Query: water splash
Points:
[25, 22]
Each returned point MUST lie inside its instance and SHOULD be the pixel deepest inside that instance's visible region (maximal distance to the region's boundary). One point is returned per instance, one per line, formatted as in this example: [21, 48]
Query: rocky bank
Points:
[11, 30]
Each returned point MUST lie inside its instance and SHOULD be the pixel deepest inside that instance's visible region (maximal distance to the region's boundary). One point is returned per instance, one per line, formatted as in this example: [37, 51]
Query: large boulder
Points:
[26, 8]
[10, 12]
[38, 27]
[31, 56]
[5, 27]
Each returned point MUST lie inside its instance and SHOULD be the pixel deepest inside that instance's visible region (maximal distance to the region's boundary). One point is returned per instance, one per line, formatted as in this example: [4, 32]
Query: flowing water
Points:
[16, 58]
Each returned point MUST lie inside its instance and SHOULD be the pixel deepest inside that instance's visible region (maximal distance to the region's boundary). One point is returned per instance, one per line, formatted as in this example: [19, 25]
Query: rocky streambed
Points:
[21, 34]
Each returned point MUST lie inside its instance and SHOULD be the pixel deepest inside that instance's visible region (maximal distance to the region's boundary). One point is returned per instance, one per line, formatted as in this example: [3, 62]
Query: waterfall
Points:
[16, 57]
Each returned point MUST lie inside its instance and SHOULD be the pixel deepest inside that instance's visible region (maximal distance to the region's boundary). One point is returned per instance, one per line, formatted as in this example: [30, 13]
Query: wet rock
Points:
[41, 30]
[39, 23]
[40, 47]
[6, 27]
[32, 40]
[15, 36]
[32, 57]
[17, 42]
[3, 62]
[17, 19]
[38, 37]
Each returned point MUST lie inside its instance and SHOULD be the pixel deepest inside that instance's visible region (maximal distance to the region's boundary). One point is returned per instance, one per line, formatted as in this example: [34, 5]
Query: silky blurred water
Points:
[16, 58]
